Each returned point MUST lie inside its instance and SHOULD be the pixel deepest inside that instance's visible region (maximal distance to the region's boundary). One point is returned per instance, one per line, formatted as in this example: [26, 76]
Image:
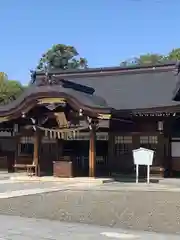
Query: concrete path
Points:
[9, 189]
[12, 186]
[33, 229]
[24, 177]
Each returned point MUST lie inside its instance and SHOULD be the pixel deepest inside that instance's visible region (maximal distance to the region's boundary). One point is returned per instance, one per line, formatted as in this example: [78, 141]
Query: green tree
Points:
[9, 89]
[144, 59]
[174, 54]
[150, 59]
[62, 56]
[153, 58]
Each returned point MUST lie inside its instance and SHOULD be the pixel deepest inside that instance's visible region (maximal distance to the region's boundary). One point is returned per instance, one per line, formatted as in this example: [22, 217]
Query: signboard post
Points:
[148, 173]
[137, 173]
[143, 156]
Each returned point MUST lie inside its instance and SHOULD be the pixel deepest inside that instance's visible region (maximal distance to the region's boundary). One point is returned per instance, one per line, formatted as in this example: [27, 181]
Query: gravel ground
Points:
[152, 211]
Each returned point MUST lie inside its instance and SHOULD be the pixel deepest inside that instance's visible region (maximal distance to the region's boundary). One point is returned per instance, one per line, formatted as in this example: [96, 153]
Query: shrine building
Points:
[87, 122]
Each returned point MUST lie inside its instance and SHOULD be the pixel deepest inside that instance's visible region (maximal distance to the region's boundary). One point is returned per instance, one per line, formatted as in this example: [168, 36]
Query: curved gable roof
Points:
[76, 99]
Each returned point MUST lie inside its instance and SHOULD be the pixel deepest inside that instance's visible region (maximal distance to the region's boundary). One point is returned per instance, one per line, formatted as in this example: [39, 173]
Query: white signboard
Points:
[143, 156]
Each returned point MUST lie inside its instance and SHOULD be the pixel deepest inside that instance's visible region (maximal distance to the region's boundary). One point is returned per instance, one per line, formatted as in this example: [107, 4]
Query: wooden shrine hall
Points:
[51, 112]
[87, 122]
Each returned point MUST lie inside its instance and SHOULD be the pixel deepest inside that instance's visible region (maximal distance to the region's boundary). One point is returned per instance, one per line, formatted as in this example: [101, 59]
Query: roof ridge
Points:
[109, 69]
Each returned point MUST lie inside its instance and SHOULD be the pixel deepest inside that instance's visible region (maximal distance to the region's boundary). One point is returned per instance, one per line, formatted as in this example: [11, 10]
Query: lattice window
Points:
[123, 145]
[26, 149]
[99, 159]
[148, 139]
[27, 139]
[26, 146]
[150, 142]
[102, 136]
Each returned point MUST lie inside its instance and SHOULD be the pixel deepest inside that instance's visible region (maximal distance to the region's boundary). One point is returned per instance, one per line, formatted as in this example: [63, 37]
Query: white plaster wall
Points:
[175, 149]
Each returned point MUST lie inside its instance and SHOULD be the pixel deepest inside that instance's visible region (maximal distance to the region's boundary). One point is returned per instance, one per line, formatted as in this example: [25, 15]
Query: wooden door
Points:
[78, 150]
[102, 167]
[48, 154]
[123, 162]
[82, 157]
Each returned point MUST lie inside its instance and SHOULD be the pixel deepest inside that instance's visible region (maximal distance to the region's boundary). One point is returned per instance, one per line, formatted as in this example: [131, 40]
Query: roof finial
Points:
[48, 78]
[33, 76]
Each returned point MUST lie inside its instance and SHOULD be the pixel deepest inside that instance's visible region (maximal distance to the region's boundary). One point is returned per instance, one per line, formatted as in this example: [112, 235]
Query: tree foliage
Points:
[9, 89]
[152, 58]
[61, 56]
[174, 54]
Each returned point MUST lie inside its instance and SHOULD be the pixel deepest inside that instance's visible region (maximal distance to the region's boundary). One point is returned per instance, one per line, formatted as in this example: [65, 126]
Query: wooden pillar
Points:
[92, 152]
[160, 154]
[111, 158]
[36, 152]
[17, 141]
[167, 156]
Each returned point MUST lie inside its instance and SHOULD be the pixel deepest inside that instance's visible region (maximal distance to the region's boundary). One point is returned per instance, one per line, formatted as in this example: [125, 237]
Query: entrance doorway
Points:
[78, 153]
[102, 166]
[48, 154]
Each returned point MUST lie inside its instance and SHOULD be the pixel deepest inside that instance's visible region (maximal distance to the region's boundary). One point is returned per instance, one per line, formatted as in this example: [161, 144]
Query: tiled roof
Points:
[130, 88]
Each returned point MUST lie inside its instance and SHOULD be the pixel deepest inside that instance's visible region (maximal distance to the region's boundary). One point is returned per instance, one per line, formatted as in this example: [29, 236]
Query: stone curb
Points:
[55, 179]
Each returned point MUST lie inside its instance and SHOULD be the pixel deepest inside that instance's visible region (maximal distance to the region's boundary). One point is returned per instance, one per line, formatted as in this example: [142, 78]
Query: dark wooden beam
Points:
[92, 152]
[36, 152]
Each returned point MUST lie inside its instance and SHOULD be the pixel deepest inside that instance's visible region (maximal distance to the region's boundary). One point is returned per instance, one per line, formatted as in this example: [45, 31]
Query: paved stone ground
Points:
[154, 207]
[134, 210]
[33, 229]
[154, 187]
[10, 188]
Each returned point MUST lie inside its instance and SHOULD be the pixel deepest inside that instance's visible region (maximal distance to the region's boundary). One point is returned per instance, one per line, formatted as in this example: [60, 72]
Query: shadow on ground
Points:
[132, 179]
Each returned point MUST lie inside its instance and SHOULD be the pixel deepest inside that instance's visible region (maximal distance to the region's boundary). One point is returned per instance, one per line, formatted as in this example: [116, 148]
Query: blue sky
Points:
[105, 32]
